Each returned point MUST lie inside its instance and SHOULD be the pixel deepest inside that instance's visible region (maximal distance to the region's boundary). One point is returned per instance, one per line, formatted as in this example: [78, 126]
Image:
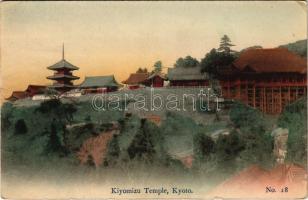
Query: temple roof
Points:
[271, 60]
[17, 95]
[99, 81]
[61, 85]
[62, 76]
[35, 87]
[136, 78]
[157, 74]
[182, 73]
[63, 64]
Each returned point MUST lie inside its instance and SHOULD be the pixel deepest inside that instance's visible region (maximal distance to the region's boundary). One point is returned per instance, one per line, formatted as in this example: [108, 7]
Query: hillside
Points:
[299, 47]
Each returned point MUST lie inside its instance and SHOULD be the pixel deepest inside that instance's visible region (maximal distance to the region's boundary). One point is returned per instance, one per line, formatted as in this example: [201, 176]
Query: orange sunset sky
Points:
[104, 38]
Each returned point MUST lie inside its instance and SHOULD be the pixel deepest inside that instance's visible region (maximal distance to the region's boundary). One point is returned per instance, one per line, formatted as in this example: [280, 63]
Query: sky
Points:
[104, 38]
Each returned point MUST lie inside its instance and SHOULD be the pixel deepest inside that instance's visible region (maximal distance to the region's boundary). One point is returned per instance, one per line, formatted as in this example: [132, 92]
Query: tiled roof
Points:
[63, 64]
[99, 81]
[271, 60]
[181, 73]
[157, 74]
[17, 95]
[35, 87]
[62, 76]
[136, 78]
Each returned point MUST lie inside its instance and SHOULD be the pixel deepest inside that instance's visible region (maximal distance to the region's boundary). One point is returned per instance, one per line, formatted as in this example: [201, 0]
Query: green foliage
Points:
[20, 127]
[54, 143]
[158, 66]
[203, 146]
[227, 150]
[215, 61]
[6, 116]
[56, 109]
[225, 45]
[298, 47]
[294, 118]
[142, 146]
[252, 130]
[245, 116]
[187, 62]
[258, 149]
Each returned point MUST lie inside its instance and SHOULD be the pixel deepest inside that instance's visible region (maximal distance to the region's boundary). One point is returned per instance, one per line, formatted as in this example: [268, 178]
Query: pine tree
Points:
[158, 66]
[142, 145]
[225, 45]
[54, 143]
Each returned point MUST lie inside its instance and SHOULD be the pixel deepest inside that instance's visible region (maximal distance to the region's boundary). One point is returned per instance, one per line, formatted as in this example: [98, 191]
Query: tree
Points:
[186, 62]
[142, 145]
[54, 143]
[113, 151]
[214, 61]
[158, 66]
[20, 127]
[227, 150]
[6, 116]
[62, 113]
[294, 118]
[203, 146]
[225, 45]
[142, 70]
[244, 116]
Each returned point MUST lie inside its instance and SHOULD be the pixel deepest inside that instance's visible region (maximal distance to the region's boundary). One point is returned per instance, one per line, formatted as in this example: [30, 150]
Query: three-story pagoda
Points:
[63, 76]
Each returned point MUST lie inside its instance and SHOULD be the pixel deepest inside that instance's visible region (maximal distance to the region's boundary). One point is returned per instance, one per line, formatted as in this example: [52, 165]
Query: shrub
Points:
[203, 146]
[20, 127]
[245, 116]
[294, 118]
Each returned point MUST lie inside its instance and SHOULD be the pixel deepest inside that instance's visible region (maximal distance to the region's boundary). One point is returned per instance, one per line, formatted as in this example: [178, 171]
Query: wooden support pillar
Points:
[229, 88]
[280, 100]
[254, 95]
[272, 107]
[264, 99]
[289, 94]
[296, 93]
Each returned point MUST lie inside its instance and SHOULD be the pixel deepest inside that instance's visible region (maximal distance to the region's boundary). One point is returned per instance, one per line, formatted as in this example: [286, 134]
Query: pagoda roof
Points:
[62, 76]
[63, 64]
[99, 81]
[270, 60]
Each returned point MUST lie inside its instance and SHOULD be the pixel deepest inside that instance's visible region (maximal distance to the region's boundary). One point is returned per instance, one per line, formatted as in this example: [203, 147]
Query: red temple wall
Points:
[269, 93]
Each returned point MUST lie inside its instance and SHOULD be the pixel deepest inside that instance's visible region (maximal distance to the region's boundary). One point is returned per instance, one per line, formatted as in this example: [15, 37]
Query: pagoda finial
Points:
[63, 51]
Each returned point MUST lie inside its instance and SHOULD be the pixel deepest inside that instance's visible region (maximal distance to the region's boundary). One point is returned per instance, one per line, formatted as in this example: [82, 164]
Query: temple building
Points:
[267, 79]
[137, 80]
[99, 84]
[63, 76]
[187, 77]
[156, 79]
[35, 89]
[17, 95]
